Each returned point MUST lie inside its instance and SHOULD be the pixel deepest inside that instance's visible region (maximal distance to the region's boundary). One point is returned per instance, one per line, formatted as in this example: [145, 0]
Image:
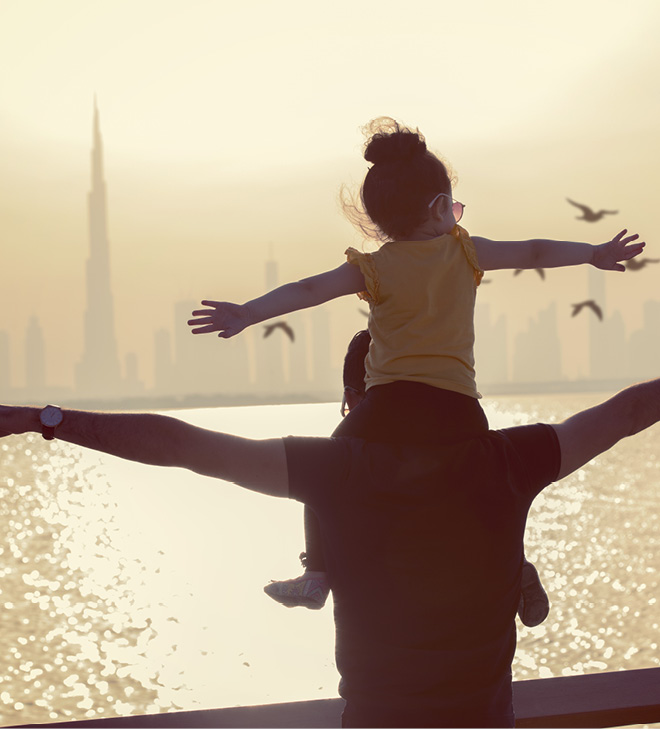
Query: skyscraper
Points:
[5, 378]
[490, 346]
[269, 351]
[644, 354]
[599, 347]
[35, 357]
[163, 364]
[607, 338]
[98, 373]
[537, 351]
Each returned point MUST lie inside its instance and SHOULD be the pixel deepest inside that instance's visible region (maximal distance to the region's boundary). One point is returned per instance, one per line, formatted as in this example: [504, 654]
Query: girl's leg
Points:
[534, 604]
[311, 589]
[357, 423]
[312, 558]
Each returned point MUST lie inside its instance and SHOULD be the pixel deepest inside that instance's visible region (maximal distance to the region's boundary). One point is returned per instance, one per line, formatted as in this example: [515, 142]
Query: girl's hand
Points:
[607, 255]
[225, 318]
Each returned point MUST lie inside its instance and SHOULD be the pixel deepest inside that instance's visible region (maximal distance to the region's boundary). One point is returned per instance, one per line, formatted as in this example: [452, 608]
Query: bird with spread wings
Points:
[637, 264]
[540, 272]
[590, 215]
[591, 305]
[268, 329]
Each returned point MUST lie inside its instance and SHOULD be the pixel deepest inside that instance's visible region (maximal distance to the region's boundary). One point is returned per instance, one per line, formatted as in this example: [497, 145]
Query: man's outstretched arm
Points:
[259, 465]
[595, 430]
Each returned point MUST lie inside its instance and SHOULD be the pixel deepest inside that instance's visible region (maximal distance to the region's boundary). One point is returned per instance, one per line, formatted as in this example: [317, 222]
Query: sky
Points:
[228, 129]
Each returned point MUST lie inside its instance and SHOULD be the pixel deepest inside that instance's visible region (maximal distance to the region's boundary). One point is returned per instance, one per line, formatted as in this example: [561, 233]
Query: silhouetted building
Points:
[617, 358]
[537, 350]
[187, 351]
[164, 376]
[490, 347]
[269, 351]
[607, 337]
[98, 373]
[5, 370]
[202, 364]
[598, 345]
[132, 383]
[35, 357]
[325, 377]
[644, 344]
[234, 363]
[298, 380]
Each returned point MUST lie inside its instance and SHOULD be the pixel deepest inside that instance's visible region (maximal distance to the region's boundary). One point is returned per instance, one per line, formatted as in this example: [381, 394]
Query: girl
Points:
[421, 288]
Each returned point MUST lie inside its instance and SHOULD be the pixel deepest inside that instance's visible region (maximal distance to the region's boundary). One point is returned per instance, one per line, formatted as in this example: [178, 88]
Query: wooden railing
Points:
[608, 699]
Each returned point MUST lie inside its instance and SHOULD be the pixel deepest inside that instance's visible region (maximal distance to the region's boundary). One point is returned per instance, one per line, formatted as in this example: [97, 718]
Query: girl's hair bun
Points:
[390, 142]
[403, 177]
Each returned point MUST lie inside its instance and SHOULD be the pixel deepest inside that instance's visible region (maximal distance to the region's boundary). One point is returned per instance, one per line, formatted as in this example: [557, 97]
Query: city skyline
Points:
[255, 366]
[183, 370]
[219, 152]
[183, 365]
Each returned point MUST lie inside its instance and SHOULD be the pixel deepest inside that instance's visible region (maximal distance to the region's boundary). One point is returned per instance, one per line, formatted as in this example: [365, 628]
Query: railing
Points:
[607, 699]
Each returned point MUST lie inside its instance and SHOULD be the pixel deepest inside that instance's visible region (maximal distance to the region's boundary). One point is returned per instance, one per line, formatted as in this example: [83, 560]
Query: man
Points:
[443, 525]
[311, 589]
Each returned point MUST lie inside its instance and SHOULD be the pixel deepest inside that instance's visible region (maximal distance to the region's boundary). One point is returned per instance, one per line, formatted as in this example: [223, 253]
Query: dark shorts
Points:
[407, 412]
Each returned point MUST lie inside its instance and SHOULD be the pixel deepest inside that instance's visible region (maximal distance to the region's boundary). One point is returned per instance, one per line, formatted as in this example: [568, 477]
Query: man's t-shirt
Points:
[424, 547]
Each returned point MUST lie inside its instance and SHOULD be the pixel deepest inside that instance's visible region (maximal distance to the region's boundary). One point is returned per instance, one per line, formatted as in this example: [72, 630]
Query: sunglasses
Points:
[456, 207]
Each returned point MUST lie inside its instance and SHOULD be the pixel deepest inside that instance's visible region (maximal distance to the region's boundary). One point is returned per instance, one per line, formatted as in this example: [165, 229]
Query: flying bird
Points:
[590, 215]
[281, 325]
[637, 264]
[588, 303]
[540, 272]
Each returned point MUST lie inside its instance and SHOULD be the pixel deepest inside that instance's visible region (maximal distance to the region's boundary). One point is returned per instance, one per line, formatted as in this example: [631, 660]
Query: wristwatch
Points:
[50, 417]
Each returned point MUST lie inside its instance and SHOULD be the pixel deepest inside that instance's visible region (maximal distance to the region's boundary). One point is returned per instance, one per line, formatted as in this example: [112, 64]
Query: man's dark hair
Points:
[354, 371]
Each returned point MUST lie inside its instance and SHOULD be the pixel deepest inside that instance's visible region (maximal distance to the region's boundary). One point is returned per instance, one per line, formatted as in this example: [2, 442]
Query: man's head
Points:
[354, 372]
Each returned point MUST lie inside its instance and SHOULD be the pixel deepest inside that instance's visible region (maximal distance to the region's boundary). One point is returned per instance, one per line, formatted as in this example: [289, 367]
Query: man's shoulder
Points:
[315, 461]
[533, 451]
[529, 440]
[525, 456]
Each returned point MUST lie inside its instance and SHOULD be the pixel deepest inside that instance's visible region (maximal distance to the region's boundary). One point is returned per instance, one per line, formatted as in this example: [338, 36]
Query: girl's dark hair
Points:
[403, 179]
[354, 369]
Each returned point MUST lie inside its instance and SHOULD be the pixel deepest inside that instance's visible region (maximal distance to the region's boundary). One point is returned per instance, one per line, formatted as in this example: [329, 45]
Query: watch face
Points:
[51, 416]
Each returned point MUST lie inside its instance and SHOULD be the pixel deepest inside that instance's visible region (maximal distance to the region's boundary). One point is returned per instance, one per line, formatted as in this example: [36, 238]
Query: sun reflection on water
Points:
[129, 589]
[594, 538]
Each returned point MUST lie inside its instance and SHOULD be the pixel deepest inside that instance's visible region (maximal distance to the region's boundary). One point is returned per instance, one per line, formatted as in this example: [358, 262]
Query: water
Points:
[128, 589]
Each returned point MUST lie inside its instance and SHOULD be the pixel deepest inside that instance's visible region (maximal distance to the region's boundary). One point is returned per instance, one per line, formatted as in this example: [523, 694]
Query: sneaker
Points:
[310, 590]
[534, 605]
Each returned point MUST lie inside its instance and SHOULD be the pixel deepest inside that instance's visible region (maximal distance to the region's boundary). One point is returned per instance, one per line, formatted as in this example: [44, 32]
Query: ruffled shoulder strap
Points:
[368, 268]
[463, 237]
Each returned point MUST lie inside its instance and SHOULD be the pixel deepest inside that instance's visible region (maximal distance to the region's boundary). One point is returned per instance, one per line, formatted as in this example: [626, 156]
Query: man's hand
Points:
[225, 318]
[607, 255]
[18, 419]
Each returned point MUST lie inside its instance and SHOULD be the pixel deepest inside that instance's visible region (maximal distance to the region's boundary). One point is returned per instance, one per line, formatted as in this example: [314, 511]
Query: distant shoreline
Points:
[219, 400]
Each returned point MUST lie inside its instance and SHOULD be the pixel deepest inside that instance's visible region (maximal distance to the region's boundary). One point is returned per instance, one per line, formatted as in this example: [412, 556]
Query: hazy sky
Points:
[228, 128]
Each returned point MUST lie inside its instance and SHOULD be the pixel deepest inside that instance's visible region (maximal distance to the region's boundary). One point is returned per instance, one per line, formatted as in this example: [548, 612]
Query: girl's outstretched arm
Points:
[540, 253]
[228, 319]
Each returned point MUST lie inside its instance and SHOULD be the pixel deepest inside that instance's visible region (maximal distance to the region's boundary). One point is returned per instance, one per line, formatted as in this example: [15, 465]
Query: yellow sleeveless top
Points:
[421, 297]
